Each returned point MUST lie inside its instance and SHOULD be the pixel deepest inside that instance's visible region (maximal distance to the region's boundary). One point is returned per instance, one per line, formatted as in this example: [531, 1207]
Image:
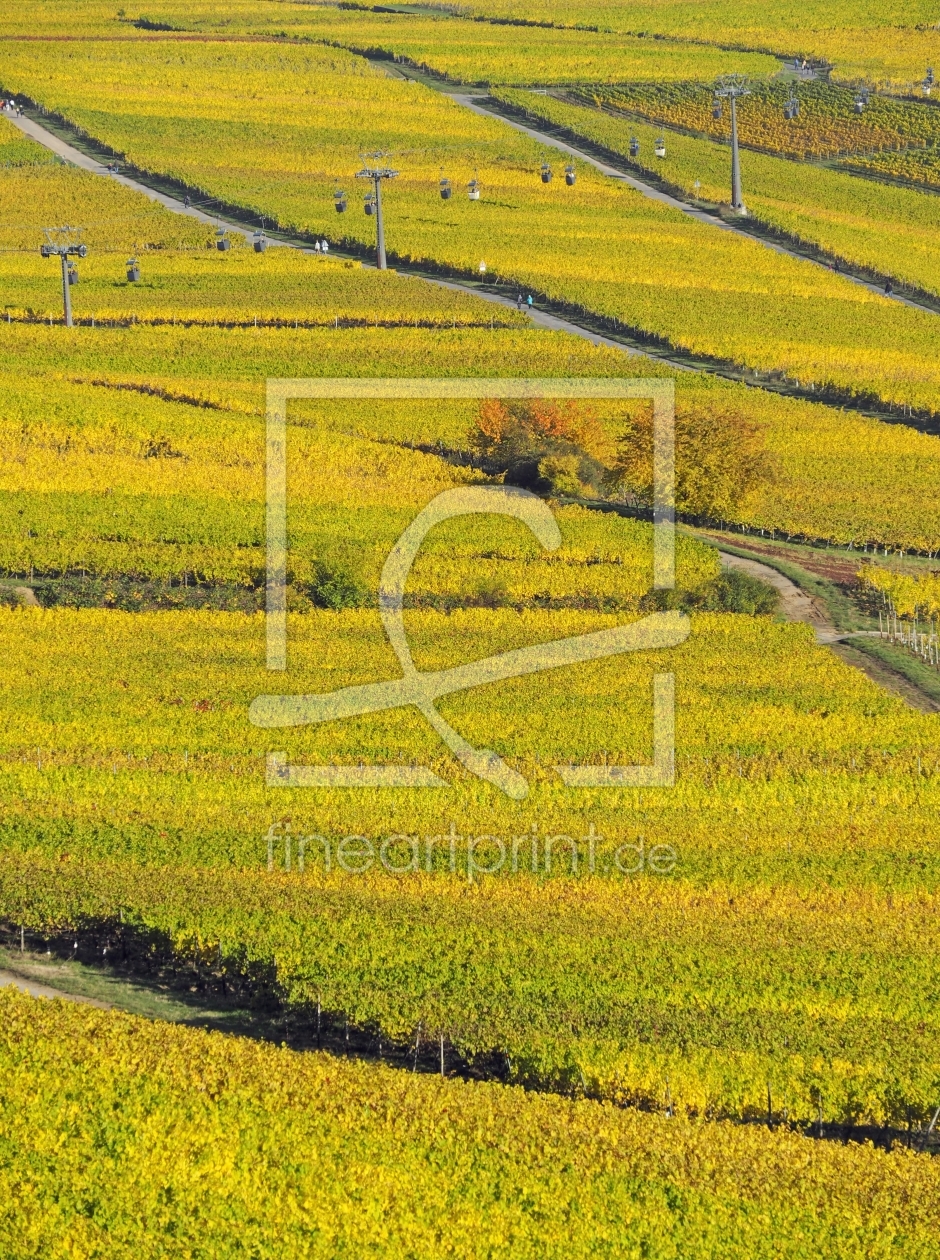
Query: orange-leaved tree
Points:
[543, 444]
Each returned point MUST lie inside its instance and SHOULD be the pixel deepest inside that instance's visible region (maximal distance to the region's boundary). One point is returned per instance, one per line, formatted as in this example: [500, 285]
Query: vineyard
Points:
[708, 292]
[159, 427]
[885, 44]
[505, 41]
[203, 1122]
[674, 996]
[621, 981]
[908, 594]
[913, 166]
[104, 440]
[828, 124]
[18, 151]
[237, 288]
[890, 233]
[471, 52]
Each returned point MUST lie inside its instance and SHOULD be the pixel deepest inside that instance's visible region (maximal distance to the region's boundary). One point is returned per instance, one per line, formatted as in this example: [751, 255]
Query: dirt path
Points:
[25, 595]
[75, 156]
[540, 319]
[882, 674]
[841, 570]
[35, 989]
[61, 148]
[797, 605]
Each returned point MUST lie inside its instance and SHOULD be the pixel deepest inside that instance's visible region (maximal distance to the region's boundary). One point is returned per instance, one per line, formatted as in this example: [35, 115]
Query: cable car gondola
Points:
[570, 175]
[133, 271]
[369, 204]
[634, 147]
[222, 242]
[339, 202]
[546, 173]
[660, 149]
[473, 189]
[260, 241]
[446, 190]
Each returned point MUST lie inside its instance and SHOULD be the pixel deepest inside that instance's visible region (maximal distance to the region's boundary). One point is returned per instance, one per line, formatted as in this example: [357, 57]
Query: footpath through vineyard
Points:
[796, 604]
[228, 218]
[68, 153]
[799, 605]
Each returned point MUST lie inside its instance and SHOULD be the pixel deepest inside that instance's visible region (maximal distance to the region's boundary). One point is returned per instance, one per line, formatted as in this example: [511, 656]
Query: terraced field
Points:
[889, 233]
[709, 292]
[664, 917]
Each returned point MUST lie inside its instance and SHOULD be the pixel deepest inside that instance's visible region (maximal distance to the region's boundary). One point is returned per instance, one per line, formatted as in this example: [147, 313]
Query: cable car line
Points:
[656, 194]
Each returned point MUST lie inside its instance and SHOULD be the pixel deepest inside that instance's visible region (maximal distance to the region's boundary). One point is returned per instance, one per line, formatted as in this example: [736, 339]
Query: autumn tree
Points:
[720, 459]
[543, 444]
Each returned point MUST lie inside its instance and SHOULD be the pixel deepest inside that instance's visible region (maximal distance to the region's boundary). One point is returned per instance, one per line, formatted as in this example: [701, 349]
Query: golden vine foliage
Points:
[280, 288]
[252, 123]
[107, 216]
[889, 44]
[886, 44]
[827, 124]
[781, 960]
[850, 219]
[720, 1000]
[760, 771]
[913, 166]
[17, 150]
[838, 475]
[121, 1131]
[908, 594]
